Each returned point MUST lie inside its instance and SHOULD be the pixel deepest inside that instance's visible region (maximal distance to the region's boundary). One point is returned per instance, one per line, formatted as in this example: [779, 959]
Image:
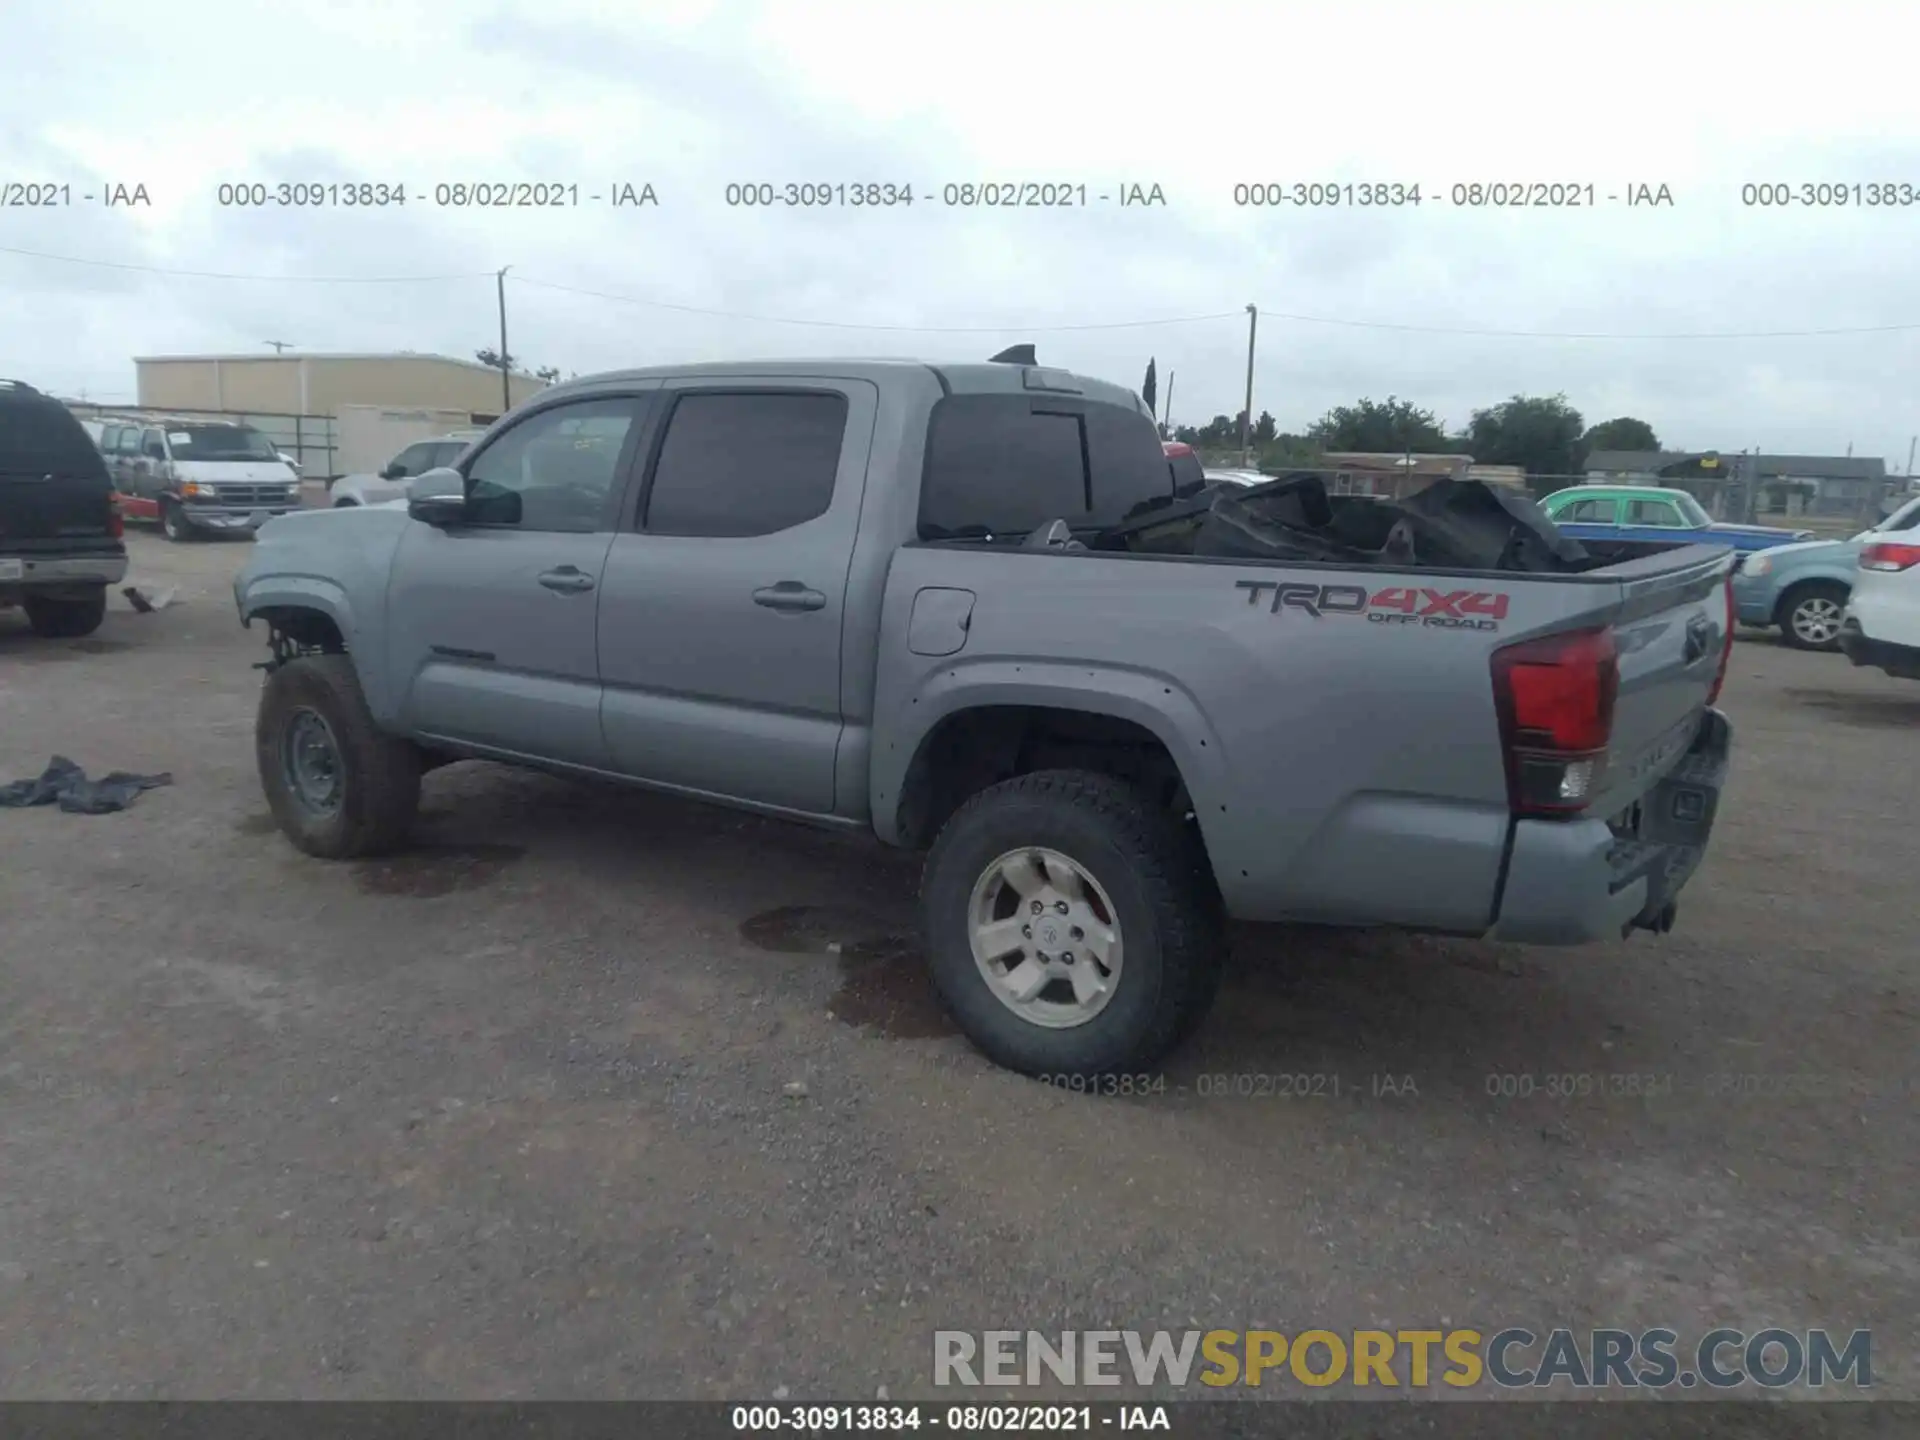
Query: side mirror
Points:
[438, 497]
[288, 460]
[394, 471]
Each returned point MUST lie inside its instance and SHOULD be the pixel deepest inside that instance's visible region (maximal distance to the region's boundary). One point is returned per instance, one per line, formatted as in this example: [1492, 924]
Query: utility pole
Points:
[1166, 417]
[506, 373]
[1246, 416]
[278, 345]
[1910, 444]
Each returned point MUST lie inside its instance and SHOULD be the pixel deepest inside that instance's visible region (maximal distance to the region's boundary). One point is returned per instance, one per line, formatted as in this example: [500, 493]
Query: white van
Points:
[198, 475]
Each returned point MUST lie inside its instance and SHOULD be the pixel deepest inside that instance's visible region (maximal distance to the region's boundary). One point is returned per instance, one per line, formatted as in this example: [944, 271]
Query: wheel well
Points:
[346, 502]
[970, 750]
[292, 630]
[1799, 588]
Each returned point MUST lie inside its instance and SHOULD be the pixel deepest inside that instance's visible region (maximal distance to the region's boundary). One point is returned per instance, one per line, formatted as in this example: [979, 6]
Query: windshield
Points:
[1692, 511]
[219, 442]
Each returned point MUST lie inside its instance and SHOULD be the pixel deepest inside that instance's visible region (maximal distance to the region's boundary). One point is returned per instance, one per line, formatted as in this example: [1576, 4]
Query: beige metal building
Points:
[291, 383]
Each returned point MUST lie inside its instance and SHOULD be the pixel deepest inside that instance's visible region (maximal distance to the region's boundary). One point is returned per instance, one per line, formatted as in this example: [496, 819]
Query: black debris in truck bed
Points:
[1454, 524]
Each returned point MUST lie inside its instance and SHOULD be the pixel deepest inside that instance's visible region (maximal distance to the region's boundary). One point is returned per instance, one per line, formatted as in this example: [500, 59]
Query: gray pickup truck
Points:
[936, 603]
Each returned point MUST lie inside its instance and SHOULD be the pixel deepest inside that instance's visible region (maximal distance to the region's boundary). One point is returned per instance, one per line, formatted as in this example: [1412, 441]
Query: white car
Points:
[1882, 624]
[1242, 478]
[390, 484]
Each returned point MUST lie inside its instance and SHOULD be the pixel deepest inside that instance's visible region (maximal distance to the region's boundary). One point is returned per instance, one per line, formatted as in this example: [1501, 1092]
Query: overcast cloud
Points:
[1193, 97]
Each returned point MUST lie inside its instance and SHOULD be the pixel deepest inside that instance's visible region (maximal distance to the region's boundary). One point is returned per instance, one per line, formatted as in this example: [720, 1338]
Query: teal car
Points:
[1804, 589]
[1653, 512]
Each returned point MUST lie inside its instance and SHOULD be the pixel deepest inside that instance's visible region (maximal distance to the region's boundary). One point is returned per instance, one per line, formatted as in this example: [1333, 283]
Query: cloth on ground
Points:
[65, 784]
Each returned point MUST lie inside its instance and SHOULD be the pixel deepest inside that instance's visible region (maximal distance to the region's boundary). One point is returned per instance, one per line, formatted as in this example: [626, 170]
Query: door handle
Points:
[789, 595]
[567, 580]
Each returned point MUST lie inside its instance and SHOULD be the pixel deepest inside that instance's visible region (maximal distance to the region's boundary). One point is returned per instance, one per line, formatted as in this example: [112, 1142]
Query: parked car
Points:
[60, 526]
[1653, 512]
[1188, 476]
[1242, 478]
[1803, 588]
[940, 604]
[198, 476]
[1881, 627]
[390, 483]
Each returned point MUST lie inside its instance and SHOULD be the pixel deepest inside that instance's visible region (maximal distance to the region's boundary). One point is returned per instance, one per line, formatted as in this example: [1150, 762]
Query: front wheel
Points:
[339, 785]
[1072, 926]
[173, 524]
[1810, 615]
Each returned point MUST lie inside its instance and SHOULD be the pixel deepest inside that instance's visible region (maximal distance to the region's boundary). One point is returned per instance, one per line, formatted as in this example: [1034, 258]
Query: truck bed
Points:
[1335, 726]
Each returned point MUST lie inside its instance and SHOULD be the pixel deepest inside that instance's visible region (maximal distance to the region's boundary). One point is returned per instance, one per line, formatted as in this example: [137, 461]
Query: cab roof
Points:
[963, 378]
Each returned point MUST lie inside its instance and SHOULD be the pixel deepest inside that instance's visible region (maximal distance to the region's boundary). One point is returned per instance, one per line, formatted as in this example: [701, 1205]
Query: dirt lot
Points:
[508, 1116]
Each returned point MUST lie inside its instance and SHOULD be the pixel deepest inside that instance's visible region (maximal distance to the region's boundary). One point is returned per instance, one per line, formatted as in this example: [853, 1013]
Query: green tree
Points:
[1625, 433]
[1542, 433]
[1266, 429]
[1390, 425]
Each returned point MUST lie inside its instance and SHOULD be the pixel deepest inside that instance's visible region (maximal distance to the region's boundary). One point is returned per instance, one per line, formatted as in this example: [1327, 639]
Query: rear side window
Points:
[1907, 517]
[1008, 464]
[1663, 513]
[1588, 512]
[734, 465]
[42, 437]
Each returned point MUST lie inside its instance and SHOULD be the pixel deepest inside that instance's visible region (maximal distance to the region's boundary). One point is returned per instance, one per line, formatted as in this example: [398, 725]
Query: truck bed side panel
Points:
[1323, 746]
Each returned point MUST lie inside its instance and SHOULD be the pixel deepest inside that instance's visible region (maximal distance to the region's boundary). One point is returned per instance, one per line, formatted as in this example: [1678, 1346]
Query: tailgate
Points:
[53, 512]
[1671, 631]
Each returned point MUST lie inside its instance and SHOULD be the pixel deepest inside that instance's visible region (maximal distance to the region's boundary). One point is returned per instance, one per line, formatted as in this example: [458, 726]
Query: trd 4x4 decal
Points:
[1396, 605]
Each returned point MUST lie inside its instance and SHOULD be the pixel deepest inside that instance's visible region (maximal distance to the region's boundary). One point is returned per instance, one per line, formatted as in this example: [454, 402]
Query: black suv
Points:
[60, 537]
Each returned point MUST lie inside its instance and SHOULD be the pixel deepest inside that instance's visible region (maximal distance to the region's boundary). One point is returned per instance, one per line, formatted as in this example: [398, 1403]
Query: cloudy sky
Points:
[1449, 306]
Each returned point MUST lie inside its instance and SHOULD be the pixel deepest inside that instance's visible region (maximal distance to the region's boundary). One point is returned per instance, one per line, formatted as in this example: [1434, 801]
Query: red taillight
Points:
[1883, 556]
[116, 521]
[1555, 697]
[1726, 648]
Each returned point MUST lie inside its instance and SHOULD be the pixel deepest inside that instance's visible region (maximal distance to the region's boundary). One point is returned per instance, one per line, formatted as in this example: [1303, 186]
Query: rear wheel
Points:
[339, 785]
[66, 618]
[1810, 615]
[1072, 926]
[173, 524]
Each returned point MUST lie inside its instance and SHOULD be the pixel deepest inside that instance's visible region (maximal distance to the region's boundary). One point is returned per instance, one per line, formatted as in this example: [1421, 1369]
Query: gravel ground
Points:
[604, 1094]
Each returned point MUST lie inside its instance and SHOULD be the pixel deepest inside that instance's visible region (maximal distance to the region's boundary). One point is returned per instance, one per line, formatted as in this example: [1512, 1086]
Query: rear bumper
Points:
[1900, 661]
[38, 572]
[1569, 883]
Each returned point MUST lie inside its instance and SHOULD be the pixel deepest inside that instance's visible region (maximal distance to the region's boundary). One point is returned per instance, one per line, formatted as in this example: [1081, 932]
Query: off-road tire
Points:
[1155, 871]
[62, 619]
[380, 772]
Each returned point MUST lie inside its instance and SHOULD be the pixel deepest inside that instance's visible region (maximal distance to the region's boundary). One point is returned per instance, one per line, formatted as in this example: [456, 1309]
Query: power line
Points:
[855, 325]
[229, 275]
[1235, 315]
[1294, 318]
[1591, 334]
